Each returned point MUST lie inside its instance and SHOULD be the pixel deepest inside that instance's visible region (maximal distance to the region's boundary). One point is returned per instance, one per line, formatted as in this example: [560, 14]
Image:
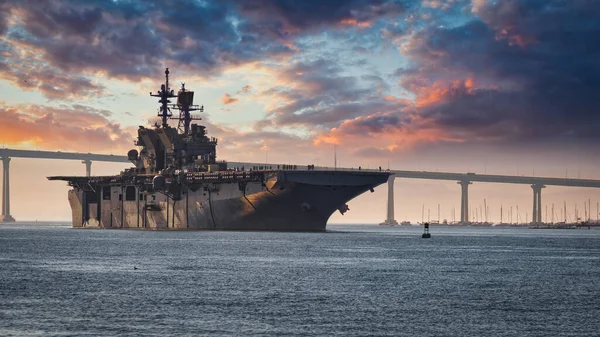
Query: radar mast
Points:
[164, 93]
[185, 104]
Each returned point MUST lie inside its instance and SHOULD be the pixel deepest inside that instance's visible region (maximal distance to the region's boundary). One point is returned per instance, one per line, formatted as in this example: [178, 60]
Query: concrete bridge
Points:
[463, 179]
[466, 179]
[7, 154]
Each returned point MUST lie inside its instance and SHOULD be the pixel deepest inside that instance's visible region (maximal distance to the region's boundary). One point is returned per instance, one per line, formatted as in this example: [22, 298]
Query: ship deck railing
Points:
[221, 176]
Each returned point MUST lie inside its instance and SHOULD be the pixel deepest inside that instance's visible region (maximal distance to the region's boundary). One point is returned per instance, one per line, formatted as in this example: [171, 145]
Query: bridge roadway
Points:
[61, 155]
[7, 154]
[490, 178]
[464, 179]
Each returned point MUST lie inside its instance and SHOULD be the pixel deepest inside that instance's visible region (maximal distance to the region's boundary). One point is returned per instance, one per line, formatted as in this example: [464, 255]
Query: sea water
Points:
[350, 281]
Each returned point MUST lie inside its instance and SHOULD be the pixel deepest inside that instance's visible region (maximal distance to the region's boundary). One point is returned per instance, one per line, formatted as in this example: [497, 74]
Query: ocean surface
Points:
[350, 281]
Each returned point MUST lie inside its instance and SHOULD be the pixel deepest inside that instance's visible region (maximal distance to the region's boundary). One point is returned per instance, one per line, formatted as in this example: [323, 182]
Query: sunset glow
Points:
[507, 87]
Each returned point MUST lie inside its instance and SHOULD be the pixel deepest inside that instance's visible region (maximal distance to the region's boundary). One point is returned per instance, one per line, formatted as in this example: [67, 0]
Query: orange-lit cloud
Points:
[514, 38]
[75, 127]
[228, 99]
[394, 99]
[506, 18]
[354, 22]
[440, 90]
[385, 132]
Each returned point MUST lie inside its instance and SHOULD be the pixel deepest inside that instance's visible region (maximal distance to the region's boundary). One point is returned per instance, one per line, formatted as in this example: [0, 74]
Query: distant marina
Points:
[556, 225]
[481, 218]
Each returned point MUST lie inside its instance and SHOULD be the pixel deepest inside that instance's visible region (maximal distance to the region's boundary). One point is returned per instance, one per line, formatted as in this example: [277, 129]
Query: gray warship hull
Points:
[267, 200]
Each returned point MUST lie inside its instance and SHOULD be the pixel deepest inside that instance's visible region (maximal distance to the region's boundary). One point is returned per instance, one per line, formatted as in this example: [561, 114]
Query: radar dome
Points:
[132, 154]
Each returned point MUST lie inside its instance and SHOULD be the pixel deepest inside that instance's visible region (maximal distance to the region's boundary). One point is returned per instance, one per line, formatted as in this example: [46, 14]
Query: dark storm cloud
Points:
[51, 19]
[515, 71]
[288, 16]
[4, 14]
[534, 65]
[505, 69]
[133, 39]
[123, 39]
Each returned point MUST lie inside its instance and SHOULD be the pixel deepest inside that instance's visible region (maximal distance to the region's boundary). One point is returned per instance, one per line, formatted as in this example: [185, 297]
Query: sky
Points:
[497, 87]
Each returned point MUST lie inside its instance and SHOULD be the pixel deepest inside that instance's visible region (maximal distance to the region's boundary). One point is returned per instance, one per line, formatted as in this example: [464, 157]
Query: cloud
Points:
[317, 94]
[509, 18]
[388, 133]
[136, 39]
[473, 71]
[129, 40]
[52, 84]
[245, 89]
[509, 77]
[282, 18]
[228, 99]
[69, 127]
[511, 74]
[357, 23]
[237, 145]
[4, 15]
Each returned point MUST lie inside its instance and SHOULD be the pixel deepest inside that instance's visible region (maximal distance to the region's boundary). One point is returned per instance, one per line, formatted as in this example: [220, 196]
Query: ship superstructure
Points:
[177, 183]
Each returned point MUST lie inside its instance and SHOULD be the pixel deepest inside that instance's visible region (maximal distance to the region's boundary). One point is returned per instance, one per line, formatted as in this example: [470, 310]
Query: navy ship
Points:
[176, 182]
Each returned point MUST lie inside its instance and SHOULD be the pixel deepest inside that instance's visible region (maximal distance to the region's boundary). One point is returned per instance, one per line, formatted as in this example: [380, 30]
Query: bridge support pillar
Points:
[88, 167]
[536, 214]
[390, 203]
[5, 216]
[464, 201]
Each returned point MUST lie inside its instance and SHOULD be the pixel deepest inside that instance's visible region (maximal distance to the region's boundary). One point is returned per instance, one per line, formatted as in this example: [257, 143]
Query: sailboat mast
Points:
[485, 208]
